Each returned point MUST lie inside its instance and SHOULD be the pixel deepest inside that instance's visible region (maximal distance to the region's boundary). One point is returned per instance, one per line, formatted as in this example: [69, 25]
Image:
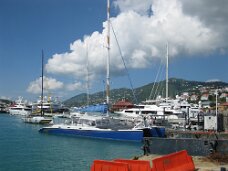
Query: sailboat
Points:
[40, 119]
[103, 127]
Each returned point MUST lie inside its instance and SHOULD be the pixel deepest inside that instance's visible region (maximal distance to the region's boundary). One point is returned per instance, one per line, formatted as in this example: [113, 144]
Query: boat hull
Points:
[124, 135]
[36, 120]
[19, 112]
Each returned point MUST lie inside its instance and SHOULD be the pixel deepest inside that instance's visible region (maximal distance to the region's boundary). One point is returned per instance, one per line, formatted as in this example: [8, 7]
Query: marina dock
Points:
[202, 163]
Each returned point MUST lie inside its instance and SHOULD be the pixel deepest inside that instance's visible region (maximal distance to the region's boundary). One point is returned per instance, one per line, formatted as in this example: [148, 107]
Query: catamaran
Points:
[93, 127]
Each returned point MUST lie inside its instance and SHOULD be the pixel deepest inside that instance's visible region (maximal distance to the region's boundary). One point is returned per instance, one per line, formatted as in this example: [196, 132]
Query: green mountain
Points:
[5, 101]
[176, 87]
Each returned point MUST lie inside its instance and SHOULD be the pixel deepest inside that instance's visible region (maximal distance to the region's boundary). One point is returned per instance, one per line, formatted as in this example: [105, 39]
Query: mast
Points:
[216, 108]
[42, 85]
[87, 81]
[167, 71]
[108, 57]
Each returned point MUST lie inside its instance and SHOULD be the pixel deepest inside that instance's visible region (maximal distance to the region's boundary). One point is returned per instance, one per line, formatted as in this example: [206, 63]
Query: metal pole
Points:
[42, 85]
[108, 57]
[167, 71]
[87, 81]
[216, 108]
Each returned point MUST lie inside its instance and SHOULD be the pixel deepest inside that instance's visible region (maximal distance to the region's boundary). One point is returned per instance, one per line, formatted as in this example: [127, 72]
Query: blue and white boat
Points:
[103, 128]
[93, 132]
[94, 126]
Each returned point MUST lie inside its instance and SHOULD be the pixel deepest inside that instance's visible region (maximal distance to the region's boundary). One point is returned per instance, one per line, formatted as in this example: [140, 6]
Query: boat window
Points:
[17, 108]
[98, 122]
[129, 111]
[93, 123]
[152, 112]
[168, 112]
[139, 107]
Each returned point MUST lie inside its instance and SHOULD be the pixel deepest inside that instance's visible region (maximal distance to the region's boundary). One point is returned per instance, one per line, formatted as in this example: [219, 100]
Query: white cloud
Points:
[213, 14]
[75, 86]
[75, 62]
[49, 84]
[142, 37]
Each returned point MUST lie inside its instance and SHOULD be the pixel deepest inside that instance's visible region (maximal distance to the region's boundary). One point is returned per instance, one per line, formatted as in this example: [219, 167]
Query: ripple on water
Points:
[23, 148]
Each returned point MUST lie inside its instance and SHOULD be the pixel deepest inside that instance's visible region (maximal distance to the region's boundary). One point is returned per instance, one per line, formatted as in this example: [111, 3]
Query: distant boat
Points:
[50, 107]
[154, 110]
[36, 120]
[3, 109]
[20, 108]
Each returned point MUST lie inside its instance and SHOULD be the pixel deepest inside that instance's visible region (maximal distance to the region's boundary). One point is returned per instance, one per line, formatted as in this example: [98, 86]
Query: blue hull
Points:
[127, 135]
[157, 132]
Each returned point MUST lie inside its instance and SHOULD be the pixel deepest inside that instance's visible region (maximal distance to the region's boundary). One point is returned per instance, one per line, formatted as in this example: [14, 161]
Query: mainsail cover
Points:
[101, 108]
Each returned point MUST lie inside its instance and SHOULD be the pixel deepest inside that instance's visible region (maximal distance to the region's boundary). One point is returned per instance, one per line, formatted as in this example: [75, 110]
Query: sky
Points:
[72, 35]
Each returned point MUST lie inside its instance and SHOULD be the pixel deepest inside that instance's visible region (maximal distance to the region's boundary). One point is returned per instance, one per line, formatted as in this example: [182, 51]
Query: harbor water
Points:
[23, 148]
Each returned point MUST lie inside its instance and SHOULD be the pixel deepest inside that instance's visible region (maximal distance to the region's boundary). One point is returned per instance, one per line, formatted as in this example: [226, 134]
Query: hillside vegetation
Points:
[176, 87]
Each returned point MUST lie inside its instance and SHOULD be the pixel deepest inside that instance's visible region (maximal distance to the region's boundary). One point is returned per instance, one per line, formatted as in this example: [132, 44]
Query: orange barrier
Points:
[102, 165]
[136, 165]
[179, 161]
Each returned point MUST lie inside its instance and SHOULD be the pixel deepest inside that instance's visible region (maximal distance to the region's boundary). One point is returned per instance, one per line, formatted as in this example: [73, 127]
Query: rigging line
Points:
[152, 90]
[162, 94]
[158, 83]
[129, 78]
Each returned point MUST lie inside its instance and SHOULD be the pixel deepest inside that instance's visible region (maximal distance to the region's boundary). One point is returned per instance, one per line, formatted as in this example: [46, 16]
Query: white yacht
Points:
[20, 108]
[50, 107]
[153, 110]
[37, 120]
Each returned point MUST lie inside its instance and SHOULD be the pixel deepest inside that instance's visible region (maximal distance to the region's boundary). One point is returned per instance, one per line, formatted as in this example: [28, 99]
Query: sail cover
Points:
[102, 108]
